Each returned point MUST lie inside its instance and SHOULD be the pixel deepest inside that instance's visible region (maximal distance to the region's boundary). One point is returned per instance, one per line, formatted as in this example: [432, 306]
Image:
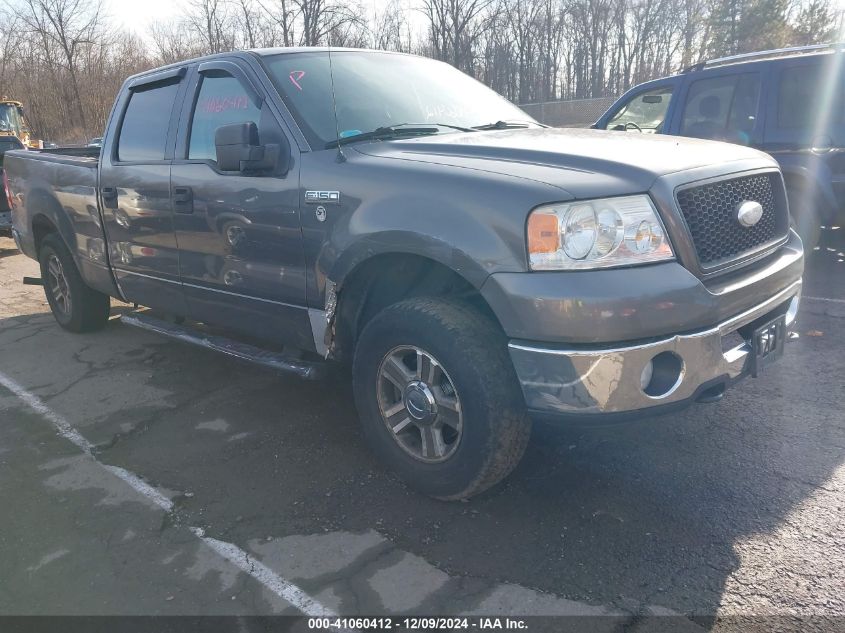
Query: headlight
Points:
[596, 234]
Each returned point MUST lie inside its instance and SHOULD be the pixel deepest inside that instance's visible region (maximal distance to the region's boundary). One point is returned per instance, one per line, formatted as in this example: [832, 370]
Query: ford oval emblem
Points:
[749, 212]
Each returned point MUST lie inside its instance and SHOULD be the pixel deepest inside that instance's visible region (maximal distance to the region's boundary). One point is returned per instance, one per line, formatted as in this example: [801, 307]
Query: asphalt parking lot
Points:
[143, 476]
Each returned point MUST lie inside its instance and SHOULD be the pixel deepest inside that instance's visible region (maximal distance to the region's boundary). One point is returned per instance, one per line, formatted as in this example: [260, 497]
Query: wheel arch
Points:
[47, 216]
[383, 279]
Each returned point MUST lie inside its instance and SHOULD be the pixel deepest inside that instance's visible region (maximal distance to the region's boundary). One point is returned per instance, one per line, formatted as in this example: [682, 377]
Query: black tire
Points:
[88, 309]
[804, 214]
[473, 355]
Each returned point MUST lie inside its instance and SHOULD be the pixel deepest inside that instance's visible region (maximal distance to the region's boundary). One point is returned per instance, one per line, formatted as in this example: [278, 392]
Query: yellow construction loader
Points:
[13, 123]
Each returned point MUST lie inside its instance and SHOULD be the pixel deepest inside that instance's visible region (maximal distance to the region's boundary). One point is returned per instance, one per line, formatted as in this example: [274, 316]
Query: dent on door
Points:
[241, 251]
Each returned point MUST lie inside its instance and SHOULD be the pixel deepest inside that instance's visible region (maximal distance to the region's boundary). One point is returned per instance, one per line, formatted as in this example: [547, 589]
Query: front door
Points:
[644, 112]
[239, 235]
[135, 193]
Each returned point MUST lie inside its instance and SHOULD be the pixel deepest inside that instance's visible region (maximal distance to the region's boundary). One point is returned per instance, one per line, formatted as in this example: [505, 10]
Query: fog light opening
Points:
[665, 372]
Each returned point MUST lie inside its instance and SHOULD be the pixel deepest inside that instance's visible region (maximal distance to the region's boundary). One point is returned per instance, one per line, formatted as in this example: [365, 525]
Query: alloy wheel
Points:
[58, 285]
[419, 404]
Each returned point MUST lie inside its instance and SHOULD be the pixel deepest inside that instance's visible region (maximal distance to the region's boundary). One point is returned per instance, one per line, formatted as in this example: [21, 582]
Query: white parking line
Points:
[825, 299]
[281, 587]
[62, 427]
[266, 576]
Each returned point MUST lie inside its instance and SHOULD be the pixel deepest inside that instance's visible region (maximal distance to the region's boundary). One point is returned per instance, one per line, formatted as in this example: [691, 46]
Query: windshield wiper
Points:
[506, 125]
[447, 125]
[388, 131]
[394, 131]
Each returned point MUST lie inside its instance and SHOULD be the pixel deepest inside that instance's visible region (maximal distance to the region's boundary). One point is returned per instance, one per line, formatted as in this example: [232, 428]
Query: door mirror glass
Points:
[238, 149]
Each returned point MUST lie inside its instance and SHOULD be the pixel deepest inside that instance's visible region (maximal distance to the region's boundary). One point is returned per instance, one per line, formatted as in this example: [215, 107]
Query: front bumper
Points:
[587, 381]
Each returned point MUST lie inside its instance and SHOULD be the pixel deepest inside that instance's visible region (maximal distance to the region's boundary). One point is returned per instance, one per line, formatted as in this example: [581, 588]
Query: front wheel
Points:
[438, 397]
[75, 306]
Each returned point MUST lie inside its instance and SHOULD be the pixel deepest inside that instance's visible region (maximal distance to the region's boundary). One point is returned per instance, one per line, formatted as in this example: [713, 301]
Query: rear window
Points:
[809, 94]
[143, 135]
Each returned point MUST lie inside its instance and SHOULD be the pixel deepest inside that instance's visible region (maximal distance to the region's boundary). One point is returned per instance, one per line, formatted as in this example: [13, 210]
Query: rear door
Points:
[135, 191]
[239, 235]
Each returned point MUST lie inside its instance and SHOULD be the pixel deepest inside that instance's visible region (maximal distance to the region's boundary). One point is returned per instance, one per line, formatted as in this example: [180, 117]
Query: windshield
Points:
[376, 90]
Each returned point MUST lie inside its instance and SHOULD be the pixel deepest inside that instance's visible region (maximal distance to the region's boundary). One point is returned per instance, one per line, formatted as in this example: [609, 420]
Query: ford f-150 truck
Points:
[474, 268]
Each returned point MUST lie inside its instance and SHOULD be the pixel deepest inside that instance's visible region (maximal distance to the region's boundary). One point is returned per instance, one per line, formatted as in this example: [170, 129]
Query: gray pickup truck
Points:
[474, 268]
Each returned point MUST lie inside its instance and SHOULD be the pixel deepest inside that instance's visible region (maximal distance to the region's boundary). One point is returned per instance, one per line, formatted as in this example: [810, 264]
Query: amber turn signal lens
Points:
[543, 233]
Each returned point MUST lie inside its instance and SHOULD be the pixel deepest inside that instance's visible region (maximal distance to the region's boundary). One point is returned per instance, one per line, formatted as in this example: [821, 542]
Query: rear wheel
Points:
[75, 306]
[438, 398]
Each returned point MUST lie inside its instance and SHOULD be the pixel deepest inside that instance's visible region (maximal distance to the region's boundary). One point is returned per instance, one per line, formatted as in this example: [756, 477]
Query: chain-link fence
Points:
[575, 113]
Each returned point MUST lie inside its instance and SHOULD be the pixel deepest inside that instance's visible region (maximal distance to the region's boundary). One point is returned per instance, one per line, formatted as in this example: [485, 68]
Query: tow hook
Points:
[33, 281]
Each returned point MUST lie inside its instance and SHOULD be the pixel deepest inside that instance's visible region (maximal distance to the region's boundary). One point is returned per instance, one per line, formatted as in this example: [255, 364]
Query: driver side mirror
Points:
[238, 150]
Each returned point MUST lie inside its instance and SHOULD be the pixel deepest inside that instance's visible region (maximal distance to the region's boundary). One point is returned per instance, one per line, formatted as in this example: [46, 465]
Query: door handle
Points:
[109, 197]
[183, 200]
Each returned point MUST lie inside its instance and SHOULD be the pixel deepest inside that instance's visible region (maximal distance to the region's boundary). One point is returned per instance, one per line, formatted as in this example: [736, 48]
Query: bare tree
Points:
[390, 29]
[454, 29]
[282, 14]
[64, 28]
[66, 61]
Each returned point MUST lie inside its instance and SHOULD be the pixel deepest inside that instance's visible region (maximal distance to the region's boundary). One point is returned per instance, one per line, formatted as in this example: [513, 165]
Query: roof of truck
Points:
[261, 52]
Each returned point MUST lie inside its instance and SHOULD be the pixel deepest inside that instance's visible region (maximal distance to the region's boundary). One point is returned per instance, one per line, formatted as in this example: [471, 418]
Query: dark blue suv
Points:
[789, 103]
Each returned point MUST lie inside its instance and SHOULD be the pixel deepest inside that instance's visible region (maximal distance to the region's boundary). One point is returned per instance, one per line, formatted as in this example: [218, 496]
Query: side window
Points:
[645, 111]
[222, 100]
[723, 108]
[143, 133]
[808, 94]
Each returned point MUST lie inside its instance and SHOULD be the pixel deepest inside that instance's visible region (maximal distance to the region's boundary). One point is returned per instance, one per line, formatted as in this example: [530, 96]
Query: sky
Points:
[138, 15]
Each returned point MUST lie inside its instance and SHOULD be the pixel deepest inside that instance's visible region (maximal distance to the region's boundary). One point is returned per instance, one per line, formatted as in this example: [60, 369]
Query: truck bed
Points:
[61, 187]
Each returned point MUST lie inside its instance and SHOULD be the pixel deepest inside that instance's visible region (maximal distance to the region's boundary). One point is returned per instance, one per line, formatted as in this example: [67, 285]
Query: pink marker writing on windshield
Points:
[295, 76]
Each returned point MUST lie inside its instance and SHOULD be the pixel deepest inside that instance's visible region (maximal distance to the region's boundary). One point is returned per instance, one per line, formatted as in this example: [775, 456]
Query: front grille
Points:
[711, 214]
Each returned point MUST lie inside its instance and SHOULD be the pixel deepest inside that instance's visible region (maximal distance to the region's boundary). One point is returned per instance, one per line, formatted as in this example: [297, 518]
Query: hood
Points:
[585, 163]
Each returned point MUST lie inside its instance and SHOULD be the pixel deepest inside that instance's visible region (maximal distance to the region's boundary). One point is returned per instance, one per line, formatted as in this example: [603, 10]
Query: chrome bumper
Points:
[608, 381]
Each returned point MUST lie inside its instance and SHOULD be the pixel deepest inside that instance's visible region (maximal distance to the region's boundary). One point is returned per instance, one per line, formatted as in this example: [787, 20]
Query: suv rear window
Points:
[143, 134]
[805, 93]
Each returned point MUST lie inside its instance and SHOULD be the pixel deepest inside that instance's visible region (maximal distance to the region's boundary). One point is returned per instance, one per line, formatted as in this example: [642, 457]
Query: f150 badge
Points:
[322, 197]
